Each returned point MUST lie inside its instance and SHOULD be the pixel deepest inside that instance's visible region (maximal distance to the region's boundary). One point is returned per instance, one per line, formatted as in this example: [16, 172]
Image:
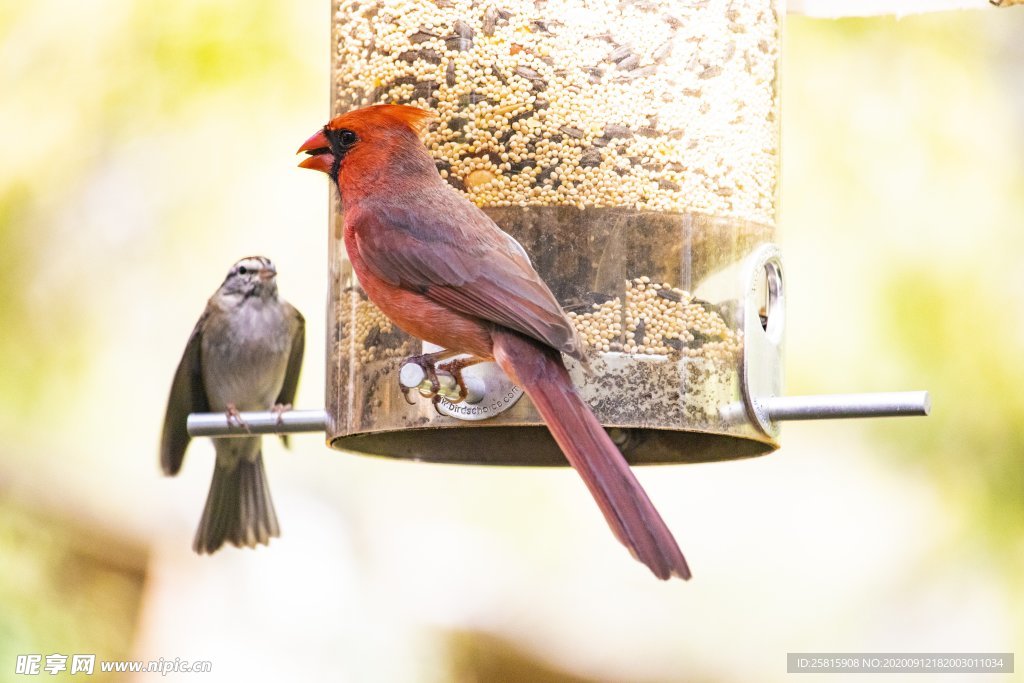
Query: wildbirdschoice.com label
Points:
[492, 404]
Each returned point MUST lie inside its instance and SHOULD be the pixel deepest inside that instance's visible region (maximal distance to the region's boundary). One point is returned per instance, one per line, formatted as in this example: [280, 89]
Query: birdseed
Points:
[653, 315]
[662, 105]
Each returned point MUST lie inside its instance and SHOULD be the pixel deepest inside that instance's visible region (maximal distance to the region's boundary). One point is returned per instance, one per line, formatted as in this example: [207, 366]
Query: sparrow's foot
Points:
[280, 409]
[235, 417]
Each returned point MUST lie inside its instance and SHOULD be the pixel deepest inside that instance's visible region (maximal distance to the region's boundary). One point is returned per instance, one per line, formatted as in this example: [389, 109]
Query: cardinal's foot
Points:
[455, 368]
[425, 363]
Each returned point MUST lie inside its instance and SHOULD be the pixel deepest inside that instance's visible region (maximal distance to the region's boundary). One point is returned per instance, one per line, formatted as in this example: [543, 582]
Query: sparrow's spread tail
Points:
[238, 508]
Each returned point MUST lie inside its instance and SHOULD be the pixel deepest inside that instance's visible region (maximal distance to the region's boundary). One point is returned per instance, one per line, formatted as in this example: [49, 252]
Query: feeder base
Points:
[530, 445]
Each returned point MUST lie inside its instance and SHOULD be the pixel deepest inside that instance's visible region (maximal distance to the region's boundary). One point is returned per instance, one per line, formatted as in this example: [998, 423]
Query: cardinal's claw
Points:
[435, 386]
[455, 368]
[426, 362]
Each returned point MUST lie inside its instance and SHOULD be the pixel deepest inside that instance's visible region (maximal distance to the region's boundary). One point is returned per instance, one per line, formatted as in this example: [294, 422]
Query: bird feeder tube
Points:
[632, 149]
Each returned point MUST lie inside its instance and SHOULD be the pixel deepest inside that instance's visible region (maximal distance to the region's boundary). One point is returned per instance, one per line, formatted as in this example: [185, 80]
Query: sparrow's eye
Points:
[242, 270]
[346, 137]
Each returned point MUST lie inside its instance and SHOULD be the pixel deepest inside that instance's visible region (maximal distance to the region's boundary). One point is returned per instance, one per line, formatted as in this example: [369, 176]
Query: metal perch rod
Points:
[833, 406]
[262, 422]
[818, 407]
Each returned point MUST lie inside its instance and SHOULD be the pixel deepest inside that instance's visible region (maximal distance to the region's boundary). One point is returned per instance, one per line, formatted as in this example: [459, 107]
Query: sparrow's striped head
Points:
[251, 276]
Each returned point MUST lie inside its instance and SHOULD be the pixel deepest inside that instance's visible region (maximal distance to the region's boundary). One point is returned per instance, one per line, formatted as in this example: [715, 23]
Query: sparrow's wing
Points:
[444, 247]
[291, 375]
[187, 396]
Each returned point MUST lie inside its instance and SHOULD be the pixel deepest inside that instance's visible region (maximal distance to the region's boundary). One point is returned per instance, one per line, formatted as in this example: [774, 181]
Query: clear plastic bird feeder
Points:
[633, 149]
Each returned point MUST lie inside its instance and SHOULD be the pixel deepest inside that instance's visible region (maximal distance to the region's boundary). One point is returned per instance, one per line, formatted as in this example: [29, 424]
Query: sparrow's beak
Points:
[267, 274]
[319, 150]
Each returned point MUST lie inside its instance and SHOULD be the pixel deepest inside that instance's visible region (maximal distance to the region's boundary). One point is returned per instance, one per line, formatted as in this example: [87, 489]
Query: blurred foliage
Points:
[76, 103]
[479, 657]
[953, 328]
[98, 98]
[63, 592]
[923, 196]
[24, 335]
[903, 204]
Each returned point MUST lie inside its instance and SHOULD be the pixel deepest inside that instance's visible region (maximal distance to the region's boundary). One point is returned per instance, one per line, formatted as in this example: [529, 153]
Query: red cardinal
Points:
[444, 272]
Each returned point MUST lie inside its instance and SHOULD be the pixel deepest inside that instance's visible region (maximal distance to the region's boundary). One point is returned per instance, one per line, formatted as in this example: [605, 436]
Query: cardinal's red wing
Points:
[444, 247]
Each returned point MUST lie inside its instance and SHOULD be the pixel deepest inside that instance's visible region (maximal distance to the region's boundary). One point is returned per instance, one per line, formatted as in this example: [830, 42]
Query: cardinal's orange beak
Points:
[319, 150]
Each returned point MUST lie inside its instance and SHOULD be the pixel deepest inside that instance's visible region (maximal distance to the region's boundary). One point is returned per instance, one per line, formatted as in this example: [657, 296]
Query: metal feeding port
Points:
[764, 324]
[489, 392]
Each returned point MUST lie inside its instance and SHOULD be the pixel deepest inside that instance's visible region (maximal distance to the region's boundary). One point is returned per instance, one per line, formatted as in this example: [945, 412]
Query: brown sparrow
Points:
[245, 353]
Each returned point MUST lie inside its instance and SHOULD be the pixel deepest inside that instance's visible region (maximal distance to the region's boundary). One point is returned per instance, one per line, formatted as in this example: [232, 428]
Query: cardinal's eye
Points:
[346, 137]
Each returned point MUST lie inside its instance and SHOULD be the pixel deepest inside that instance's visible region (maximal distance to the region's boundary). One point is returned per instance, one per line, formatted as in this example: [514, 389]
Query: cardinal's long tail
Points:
[632, 517]
[238, 508]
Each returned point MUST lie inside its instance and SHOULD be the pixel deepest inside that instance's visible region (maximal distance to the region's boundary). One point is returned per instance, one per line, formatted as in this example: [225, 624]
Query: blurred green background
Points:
[148, 146]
